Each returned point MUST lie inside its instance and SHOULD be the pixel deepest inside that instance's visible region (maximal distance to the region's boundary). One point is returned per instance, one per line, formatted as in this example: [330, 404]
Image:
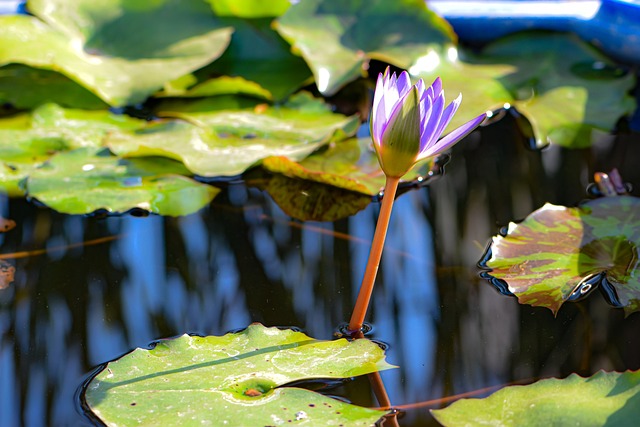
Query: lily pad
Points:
[337, 38]
[83, 181]
[351, 165]
[226, 143]
[606, 398]
[28, 140]
[564, 87]
[558, 254]
[27, 87]
[101, 46]
[233, 380]
[259, 56]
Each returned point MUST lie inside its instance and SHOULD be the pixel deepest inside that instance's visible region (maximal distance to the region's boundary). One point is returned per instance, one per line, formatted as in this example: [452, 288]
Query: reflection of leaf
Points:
[233, 380]
[79, 182]
[337, 38]
[101, 45]
[312, 201]
[606, 398]
[558, 254]
[350, 164]
[226, 143]
[564, 87]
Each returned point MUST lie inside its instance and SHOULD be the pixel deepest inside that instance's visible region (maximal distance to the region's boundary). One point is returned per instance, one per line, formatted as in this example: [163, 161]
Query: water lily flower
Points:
[408, 120]
[406, 124]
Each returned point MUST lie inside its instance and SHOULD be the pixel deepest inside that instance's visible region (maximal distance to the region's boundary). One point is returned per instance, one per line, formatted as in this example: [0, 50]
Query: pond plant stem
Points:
[366, 288]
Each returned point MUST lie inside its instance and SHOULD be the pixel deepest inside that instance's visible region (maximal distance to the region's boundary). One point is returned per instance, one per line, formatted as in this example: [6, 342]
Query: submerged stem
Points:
[362, 302]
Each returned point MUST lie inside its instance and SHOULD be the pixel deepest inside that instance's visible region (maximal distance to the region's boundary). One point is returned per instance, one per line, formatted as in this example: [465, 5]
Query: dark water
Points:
[242, 260]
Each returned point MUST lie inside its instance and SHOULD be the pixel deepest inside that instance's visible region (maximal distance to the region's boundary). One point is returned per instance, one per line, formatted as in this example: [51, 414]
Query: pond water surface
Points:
[242, 260]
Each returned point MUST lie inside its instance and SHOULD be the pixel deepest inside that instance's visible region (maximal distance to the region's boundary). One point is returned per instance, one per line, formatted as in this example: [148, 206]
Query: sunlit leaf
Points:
[28, 140]
[227, 142]
[82, 182]
[224, 85]
[606, 398]
[338, 38]
[249, 8]
[558, 254]
[561, 85]
[120, 50]
[350, 164]
[233, 380]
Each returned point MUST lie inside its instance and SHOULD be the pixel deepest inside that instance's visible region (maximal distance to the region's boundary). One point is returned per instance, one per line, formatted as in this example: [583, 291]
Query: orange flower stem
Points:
[362, 302]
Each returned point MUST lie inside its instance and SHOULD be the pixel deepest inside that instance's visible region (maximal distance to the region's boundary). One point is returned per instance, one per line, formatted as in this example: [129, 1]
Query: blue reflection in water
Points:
[406, 279]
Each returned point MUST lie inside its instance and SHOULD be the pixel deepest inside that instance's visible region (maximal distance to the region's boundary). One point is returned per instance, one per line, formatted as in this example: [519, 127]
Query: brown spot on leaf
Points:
[252, 392]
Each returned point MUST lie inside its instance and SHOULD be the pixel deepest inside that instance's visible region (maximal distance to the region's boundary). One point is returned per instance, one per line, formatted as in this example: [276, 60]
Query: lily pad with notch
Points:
[560, 254]
[236, 379]
[337, 38]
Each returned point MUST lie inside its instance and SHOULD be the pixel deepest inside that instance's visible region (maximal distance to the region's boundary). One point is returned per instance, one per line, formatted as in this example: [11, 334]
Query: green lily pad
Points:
[233, 380]
[259, 56]
[564, 87]
[558, 254]
[606, 398]
[338, 38]
[226, 143]
[83, 181]
[351, 164]
[26, 88]
[101, 46]
[28, 140]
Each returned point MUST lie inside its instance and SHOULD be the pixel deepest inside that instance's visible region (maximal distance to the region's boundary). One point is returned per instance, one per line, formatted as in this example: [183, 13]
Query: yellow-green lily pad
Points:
[228, 142]
[238, 379]
[606, 398]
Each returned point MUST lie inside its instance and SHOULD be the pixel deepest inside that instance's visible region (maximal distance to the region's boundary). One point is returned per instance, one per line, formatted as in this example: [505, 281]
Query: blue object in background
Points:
[611, 25]
[8, 7]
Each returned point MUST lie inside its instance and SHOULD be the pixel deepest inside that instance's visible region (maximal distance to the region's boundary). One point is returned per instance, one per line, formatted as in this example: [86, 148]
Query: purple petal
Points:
[453, 137]
[379, 121]
[429, 136]
[390, 96]
[404, 84]
[447, 115]
[435, 88]
[425, 113]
